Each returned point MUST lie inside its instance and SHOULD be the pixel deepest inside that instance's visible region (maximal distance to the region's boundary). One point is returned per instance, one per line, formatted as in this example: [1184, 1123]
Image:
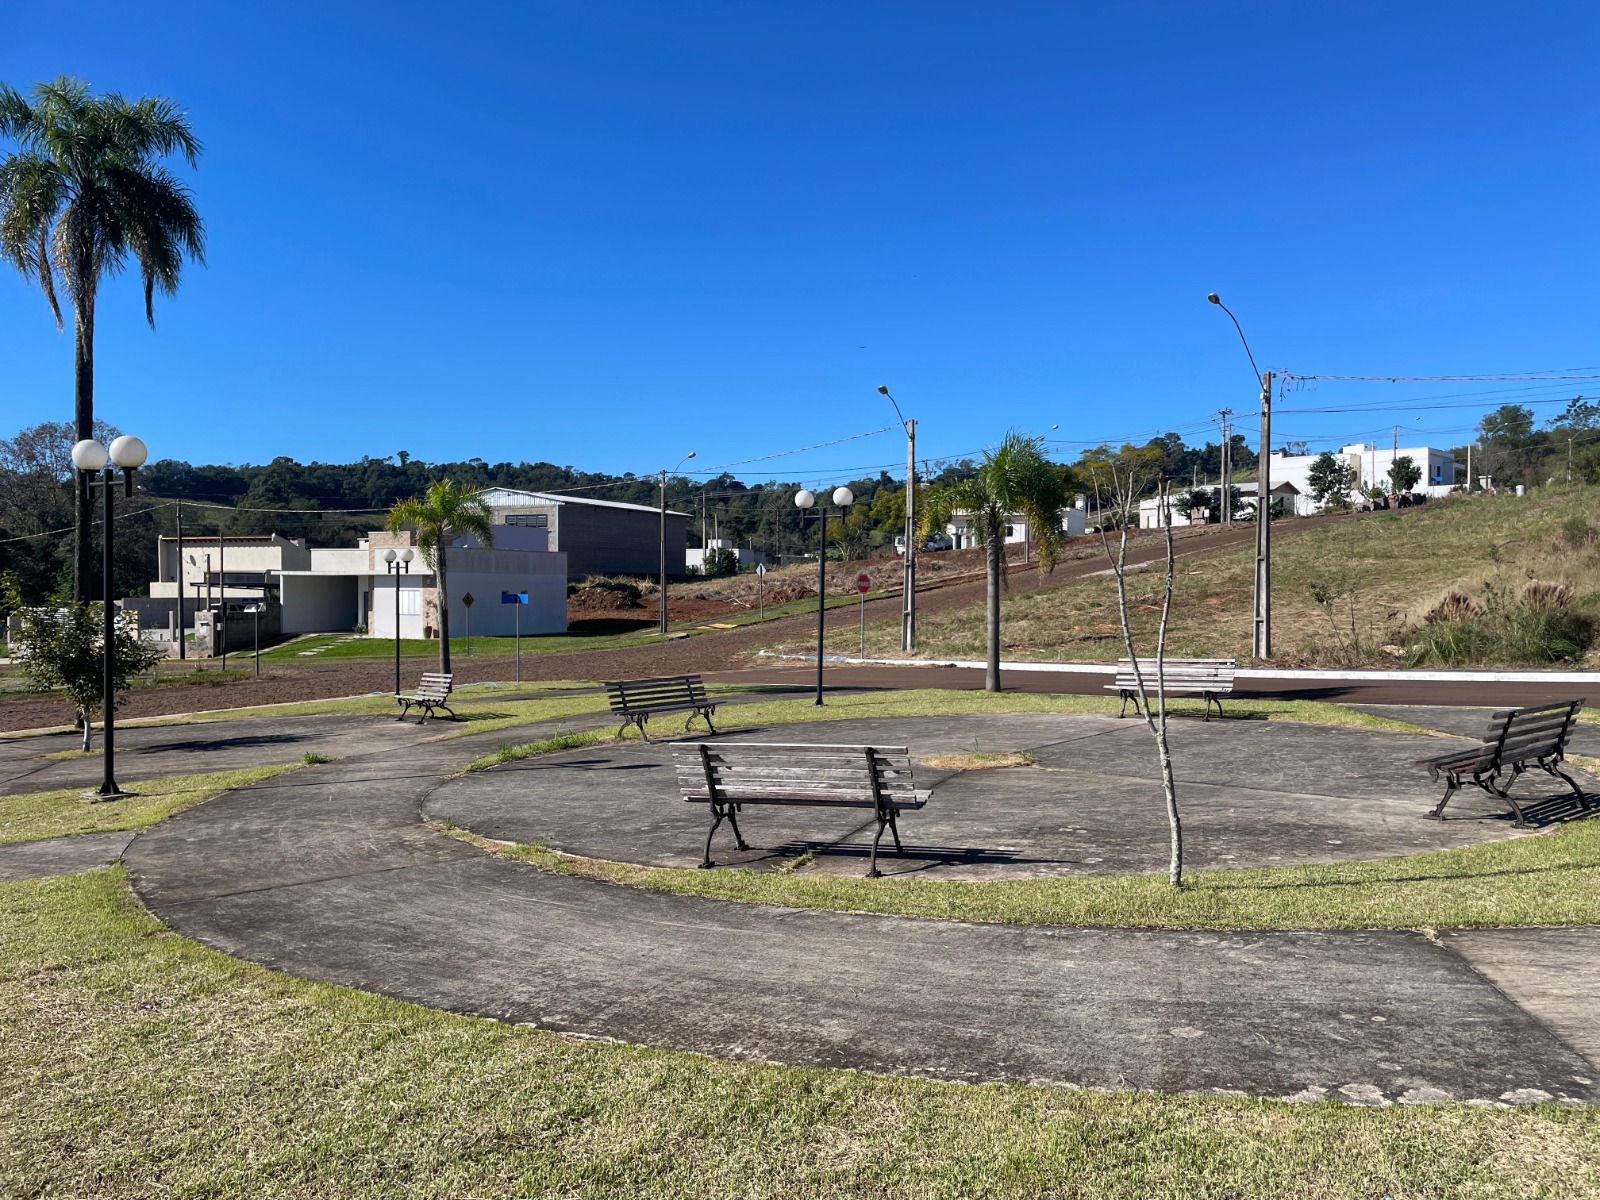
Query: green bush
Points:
[1543, 625]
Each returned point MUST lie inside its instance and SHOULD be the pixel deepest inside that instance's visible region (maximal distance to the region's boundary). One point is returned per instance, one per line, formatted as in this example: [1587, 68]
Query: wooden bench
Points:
[729, 775]
[1517, 739]
[431, 694]
[635, 700]
[1211, 678]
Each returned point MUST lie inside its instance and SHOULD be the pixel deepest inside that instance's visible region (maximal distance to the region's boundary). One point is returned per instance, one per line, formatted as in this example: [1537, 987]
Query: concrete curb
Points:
[1584, 678]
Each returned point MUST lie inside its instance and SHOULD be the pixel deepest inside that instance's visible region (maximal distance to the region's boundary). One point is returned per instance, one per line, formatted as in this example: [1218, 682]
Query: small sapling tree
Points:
[1119, 481]
[63, 649]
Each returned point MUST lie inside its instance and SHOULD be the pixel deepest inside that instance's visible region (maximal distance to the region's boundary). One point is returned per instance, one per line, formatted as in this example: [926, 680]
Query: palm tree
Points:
[85, 189]
[442, 513]
[1014, 479]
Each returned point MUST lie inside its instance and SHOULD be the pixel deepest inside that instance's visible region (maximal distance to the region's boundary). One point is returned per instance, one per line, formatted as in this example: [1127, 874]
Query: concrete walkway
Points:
[61, 855]
[337, 879]
[1254, 793]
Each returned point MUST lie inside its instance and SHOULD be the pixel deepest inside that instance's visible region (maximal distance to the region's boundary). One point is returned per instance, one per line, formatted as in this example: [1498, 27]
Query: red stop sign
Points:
[863, 583]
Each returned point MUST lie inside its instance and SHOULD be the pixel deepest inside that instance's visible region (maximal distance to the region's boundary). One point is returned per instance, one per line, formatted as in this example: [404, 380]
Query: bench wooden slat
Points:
[635, 700]
[1516, 739]
[727, 776]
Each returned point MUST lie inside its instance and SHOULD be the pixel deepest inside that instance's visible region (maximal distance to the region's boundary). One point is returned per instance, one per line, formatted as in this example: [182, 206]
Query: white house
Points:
[599, 537]
[337, 590]
[962, 537]
[1371, 464]
[695, 557]
[1283, 492]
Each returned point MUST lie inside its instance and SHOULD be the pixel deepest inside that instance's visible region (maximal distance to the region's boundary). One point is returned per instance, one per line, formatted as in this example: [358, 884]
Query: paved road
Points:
[336, 878]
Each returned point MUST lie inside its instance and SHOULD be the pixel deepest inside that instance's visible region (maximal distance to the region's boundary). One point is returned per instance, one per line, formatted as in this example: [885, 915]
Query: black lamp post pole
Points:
[396, 568]
[108, 784]
[822, 588]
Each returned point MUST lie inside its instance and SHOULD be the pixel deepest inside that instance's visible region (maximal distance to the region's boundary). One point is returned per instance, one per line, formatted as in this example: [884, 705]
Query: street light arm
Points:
[1242, 339]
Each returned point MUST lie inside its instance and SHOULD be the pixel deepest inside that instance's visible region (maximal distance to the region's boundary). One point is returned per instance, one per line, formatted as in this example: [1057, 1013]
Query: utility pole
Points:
[1263, 605]
[1569, 460]
[908, 614]
[1225, 503]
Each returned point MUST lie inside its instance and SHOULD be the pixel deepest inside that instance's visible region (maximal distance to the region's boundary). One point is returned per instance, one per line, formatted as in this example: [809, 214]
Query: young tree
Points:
[1014, 479]
[85, 189]
[445, 511]
[1404, 474]
[1119, 482]
[64, 648]
[1331, 479]
[1510, 425]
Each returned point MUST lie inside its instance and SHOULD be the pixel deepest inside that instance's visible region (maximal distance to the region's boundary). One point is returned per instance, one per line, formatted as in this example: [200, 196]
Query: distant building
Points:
[962, 537]
[1370, 464]
[695, 556]
[339, 590]
[599, 537]
[1150, 508]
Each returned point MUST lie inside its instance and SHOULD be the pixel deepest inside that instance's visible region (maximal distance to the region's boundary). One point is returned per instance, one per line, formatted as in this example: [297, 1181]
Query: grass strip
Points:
[63, 812]
[141, 1063]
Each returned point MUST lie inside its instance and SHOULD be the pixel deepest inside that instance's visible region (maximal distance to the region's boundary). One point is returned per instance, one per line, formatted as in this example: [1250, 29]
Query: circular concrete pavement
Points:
[1252, 793]
[331, 874]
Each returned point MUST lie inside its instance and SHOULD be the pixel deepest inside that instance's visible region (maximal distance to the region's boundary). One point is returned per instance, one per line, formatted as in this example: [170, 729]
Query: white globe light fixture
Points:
[89, 455]
[843, 497]
[128, 452]
[805, 499]
[407, 555]
[389, 556]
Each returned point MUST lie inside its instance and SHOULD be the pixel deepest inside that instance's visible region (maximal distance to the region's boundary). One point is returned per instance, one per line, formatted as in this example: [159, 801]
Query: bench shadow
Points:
[243, 742]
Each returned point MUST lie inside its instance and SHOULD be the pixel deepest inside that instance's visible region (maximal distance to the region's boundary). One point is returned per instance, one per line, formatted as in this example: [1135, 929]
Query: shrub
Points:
[1539, 626]
[1578, 532]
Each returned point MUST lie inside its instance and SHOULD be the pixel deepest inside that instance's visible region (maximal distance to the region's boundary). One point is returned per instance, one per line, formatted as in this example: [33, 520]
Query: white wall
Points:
[487, 573]
[411, 598]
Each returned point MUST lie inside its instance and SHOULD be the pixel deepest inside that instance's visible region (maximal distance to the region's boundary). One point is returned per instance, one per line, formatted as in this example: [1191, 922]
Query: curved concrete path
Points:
[337, 879]
[1254, 793]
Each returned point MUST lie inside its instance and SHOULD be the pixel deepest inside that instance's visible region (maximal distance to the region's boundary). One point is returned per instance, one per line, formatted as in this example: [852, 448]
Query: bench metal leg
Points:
[1505, 794]
[704, 714]
[886, 821]
[1126, 697]
[633, 719]
[404, 710]
[733, 819]
[1453, 782]
[716, 819]
[1554, 769]
[449, 710]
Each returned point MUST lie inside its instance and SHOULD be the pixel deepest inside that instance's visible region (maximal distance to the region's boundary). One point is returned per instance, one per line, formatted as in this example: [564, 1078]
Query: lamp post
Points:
[843, 498]
[1263, 589]
[663, 564]
[397, 563]
[92, 459]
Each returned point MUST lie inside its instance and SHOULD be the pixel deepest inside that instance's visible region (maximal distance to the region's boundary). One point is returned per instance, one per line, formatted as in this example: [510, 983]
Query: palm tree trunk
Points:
[994, 553]
[82, 428]
[442, 592]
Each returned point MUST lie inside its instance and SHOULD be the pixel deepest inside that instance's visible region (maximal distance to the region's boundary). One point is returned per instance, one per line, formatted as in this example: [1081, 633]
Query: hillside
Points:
[1379, 576]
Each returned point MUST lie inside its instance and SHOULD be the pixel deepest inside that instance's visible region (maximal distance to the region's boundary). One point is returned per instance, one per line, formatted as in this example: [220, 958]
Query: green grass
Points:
[1553, 879]
[333, 646]
[30, 815]
[1401, 563]
[139, 1063]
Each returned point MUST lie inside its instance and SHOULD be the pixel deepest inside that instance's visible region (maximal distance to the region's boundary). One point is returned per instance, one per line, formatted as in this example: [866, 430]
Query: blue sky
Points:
[604, 235]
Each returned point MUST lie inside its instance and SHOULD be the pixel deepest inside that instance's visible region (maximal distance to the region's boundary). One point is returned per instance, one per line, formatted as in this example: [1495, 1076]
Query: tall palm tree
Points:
[442, 513]
[85, 189]
[1014, 479]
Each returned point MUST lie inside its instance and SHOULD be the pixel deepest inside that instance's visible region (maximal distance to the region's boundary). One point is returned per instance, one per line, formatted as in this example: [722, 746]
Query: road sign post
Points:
[466, 603]
[761, 590]
[863, 586]
[519, 599]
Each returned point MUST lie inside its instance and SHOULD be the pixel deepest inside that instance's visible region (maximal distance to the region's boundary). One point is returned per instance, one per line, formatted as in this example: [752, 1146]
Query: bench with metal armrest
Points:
[1517, 739]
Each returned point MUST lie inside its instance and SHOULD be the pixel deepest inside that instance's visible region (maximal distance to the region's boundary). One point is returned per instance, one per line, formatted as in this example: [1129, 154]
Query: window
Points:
[410, 602]
[529, 520]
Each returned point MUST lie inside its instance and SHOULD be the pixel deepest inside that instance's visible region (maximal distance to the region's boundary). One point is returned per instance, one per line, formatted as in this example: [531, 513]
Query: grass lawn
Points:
[139, 1063]
[30, 815]
[1400, 562]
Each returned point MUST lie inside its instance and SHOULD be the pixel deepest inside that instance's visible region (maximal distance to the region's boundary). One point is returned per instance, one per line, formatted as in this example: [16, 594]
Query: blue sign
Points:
[513, 597]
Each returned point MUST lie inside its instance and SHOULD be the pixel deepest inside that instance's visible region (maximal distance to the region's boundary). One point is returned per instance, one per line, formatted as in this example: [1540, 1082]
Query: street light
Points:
[681, 461]
[92, 459]
[843, 498]
[397, 564]
[1263, 591]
